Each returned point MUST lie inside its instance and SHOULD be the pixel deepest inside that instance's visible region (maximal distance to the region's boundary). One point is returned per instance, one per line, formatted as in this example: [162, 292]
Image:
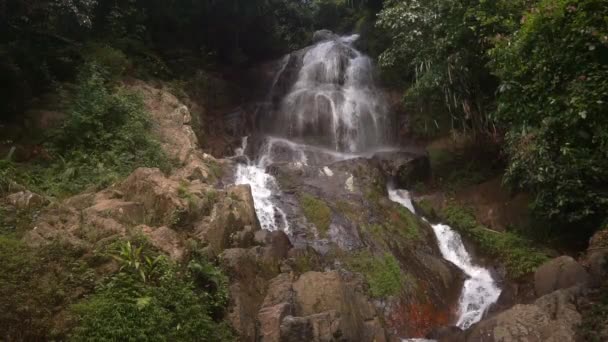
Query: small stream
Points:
[480, 290]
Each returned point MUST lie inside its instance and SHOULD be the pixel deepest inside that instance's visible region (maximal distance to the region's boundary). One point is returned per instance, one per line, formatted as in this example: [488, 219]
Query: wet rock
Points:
[405, 168]
[553, 317]
[559, 273]
[323, 35]
[24, 200]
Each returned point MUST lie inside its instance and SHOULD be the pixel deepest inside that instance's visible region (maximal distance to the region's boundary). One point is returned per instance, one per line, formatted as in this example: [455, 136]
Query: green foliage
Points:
[317, 212]
[130, 258]
[439, 47]
[553, 98]
[109, 60]
[517, 254]
[35, 285]
[7, 173]
[383, 274]
[105, 136]
[168, 306]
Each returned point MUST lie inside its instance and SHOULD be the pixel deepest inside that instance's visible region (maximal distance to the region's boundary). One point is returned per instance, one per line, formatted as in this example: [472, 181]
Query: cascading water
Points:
[334, 102]
[262, 185]
[480, 290]
[333, 111]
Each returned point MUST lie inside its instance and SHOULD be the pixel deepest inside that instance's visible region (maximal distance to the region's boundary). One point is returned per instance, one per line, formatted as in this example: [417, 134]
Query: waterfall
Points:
[480, 290]
[333, 111]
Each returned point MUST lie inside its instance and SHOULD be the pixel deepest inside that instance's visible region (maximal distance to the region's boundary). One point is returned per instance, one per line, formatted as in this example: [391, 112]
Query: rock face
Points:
[551, 318]
[558, 273]
[361, 219]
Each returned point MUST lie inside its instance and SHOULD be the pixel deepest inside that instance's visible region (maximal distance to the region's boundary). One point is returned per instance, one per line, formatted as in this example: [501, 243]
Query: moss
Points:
[516, 253]
[405, 223]
[350, 211]
[382, 273]
[317, 212]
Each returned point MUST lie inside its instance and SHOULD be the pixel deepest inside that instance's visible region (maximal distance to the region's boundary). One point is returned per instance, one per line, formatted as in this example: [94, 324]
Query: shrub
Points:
[35, 285]
[106, 135]
[112, 61]
[165, 307]
[553, 99]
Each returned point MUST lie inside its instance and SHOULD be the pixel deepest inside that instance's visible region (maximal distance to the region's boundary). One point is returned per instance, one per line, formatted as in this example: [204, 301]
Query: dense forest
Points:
[524, 82]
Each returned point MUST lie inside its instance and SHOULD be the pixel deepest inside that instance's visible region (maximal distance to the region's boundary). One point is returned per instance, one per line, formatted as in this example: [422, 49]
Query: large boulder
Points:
[551, 318]
[352, 316]
[157, 194]
[278, 304]
[232, 221]
[559, 273]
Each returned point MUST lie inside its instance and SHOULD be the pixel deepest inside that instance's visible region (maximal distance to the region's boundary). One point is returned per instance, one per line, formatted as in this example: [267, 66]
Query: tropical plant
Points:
[553, 98]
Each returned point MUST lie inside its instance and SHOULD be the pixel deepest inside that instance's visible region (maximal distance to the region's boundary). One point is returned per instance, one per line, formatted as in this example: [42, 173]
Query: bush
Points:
[105, 135]
[438, 49]
[165, 307]
[112, 61]
[553, 98]
[35, 285]
[517, 254]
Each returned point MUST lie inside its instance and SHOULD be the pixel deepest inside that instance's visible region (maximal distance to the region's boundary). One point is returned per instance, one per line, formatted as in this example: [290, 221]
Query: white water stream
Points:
[480, 290]
[262, 185]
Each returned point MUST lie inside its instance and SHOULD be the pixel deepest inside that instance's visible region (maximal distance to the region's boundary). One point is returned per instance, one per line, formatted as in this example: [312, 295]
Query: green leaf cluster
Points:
[168, 304]
[553, 99]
